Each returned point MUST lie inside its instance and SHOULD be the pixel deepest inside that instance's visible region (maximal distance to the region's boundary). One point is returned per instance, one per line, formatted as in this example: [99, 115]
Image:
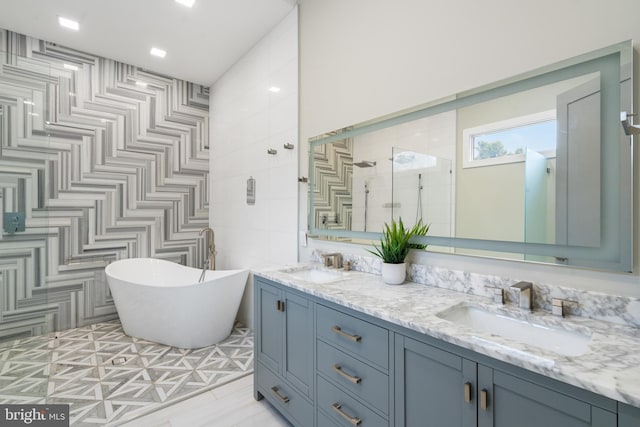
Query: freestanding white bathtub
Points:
[162, 301]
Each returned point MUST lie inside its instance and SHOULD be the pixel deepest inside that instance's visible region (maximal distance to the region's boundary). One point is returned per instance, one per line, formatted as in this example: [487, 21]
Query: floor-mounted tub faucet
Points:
[211, 257]
[205, 267]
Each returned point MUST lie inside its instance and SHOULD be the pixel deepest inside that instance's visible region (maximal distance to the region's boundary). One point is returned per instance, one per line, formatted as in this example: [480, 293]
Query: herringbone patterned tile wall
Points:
[107, 161]
[333, 177]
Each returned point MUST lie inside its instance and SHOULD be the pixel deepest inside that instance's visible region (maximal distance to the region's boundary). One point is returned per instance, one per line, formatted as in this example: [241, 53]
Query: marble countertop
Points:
[610, 366]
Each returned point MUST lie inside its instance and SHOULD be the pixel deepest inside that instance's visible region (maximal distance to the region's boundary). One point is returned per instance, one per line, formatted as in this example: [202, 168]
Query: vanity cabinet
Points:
[628, 416]
[441, 389]
[433, 388]
[321, 364]
[352, 369]
[512, 401]
[284, 347]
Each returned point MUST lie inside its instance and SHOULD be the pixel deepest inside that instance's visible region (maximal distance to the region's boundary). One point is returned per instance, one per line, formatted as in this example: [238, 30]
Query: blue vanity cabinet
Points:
[269, 339]
[628, 416]
[284, 349]
[352, 370]
[322, 364]
[507, 400]
[433, 387]
[440, 387]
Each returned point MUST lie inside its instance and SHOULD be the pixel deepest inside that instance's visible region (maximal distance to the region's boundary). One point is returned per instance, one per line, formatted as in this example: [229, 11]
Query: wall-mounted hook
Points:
[288, 146]
[272, 151]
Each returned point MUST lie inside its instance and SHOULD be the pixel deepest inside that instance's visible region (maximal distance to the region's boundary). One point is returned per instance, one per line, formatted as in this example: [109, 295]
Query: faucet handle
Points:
[557, 307]
[497, 294]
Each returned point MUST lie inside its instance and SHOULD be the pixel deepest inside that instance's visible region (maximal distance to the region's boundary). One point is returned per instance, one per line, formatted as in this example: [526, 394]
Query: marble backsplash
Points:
[593, 305]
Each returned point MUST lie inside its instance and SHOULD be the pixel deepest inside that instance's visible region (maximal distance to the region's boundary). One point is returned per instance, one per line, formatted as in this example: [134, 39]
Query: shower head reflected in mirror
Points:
[365, 164]
[629, 129]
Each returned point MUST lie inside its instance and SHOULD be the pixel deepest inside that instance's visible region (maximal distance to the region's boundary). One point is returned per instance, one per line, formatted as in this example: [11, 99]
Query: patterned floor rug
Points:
[108, 377]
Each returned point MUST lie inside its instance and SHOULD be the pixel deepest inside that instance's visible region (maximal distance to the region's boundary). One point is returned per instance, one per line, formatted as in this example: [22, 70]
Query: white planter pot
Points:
[394, 274]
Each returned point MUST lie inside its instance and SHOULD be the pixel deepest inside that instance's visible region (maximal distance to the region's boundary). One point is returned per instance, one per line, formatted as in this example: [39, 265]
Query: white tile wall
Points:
[246, 120]
[430, 135]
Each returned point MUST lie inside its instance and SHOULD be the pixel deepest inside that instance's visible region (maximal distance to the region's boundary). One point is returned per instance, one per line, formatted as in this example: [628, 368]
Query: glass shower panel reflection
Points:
[25, 156]
[422, 190]
[27, 90]
[539, 199]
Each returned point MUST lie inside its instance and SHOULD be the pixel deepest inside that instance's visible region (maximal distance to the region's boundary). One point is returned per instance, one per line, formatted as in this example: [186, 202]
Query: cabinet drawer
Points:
[360, 379]
[343, 409]
[362, 339]
[325, 421]
[284, 397]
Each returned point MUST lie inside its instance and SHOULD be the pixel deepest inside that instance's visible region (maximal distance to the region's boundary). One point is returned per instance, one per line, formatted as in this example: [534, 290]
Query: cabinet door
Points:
[269, 337]
[509, 401]
[299, 337]
[434, 388]
[628, 416]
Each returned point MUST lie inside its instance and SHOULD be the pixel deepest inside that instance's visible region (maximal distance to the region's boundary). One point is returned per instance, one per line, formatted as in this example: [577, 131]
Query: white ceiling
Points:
[201, 42]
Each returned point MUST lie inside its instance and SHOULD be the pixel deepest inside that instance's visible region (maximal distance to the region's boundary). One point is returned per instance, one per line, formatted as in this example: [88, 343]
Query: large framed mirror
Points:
[535, 168]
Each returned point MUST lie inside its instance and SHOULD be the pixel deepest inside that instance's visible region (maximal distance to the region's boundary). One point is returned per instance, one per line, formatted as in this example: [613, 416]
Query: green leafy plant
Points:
[419, 229]
[394, 244]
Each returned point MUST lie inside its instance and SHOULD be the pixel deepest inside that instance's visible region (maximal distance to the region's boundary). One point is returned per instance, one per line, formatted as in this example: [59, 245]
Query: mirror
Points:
[534, 168]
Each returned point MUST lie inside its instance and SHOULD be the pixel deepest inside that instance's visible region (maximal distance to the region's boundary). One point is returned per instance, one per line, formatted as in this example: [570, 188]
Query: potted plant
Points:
[394, 247]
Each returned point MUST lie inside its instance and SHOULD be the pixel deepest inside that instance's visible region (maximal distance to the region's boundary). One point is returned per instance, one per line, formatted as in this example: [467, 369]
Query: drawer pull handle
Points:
[484, 399]
[467, 392]
[353, 420]
[354, 338]
[338, 370]
[284, 399]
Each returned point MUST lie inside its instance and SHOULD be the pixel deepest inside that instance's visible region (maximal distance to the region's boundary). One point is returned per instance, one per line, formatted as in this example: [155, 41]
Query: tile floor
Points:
[108, 377]
[230, 405]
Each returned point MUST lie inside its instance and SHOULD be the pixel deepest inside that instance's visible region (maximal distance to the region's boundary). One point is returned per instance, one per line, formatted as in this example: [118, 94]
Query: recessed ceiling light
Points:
[158, 52]
[71, 67]
[68, 23]
[274, 89]
[188, 3]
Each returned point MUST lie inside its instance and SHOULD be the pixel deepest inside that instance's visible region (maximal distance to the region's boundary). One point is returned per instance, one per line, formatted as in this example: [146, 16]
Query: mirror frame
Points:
[616, 250]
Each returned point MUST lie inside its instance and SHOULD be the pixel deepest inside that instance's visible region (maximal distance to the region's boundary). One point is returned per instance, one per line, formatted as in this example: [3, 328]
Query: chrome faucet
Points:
[336, 260]
[525, 294]
[211, 257]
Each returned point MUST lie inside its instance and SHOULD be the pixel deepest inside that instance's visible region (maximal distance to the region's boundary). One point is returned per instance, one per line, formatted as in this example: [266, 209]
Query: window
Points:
[507, 141]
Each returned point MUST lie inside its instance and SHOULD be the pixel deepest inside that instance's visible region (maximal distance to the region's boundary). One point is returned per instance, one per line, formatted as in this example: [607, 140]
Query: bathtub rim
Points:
[210, 276]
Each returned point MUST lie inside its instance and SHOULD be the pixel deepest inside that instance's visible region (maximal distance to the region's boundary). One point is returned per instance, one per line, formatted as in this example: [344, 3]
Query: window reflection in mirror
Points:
[522, 155]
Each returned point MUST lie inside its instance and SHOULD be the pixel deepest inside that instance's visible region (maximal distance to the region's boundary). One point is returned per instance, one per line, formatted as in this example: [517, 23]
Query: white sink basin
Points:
[555, 338]
[314, 275]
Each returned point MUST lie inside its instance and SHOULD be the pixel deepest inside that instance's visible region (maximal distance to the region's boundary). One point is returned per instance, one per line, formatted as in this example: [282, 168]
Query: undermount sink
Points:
[555, 338]
[314, 275]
